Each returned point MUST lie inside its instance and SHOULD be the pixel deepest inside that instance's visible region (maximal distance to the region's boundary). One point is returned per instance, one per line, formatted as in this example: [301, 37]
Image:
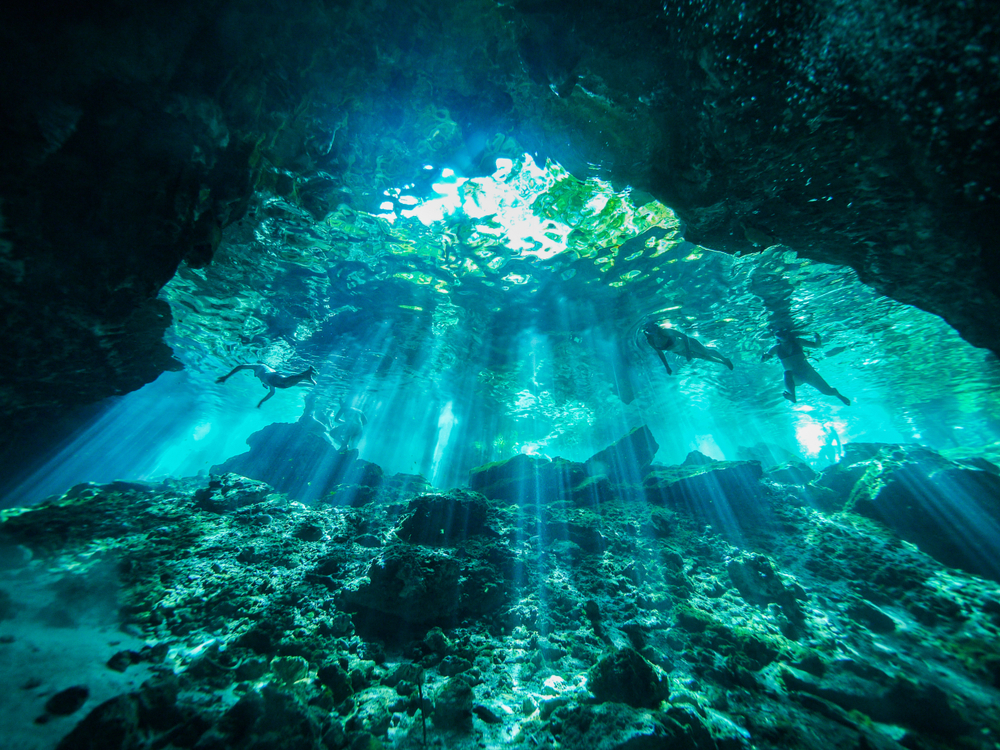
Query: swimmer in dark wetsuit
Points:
[797, 368]
[668, 340]
[351, 423]
[271, 378]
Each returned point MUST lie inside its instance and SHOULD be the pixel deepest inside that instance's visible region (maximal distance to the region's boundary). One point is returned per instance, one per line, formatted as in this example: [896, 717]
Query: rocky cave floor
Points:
[610, 604]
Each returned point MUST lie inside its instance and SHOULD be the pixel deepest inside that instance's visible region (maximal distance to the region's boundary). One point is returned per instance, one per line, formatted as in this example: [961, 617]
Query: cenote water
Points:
[465, 443]
[482, 318]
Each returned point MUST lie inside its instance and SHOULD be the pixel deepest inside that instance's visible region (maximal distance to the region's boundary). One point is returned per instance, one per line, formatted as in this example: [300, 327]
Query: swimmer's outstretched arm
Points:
[663, 359]
[234, 371]
[769, 353]
[814, 344]
[270, 393]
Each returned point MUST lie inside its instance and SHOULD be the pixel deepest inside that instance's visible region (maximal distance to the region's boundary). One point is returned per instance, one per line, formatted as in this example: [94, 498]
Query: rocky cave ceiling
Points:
[135, 134]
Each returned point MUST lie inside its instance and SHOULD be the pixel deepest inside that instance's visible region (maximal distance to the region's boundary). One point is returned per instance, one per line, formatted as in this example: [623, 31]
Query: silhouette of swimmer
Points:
[668, 340]
[797, 368]
[271, 378]
[313, 424]
[351, 423]
[831, 445]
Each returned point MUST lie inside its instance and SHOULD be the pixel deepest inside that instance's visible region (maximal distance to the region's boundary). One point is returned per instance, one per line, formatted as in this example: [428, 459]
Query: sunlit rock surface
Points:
[255, 620]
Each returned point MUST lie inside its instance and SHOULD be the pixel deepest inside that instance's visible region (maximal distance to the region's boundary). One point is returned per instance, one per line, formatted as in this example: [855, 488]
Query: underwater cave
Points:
[500, 373]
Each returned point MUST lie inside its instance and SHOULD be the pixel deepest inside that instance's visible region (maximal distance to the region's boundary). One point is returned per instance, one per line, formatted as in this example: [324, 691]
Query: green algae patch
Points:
[741, 646]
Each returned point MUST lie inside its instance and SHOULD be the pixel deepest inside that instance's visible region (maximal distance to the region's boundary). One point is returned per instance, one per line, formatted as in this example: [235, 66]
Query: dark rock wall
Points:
[133, 134]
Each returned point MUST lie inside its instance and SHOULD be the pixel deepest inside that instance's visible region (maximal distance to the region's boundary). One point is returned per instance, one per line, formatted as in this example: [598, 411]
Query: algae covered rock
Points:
[950, 511]
[526, 480]
[726, 494]
[445, 520]
[416, 584]
[626, 677]
[616, 726]
[453, 704]
[793, 472]
[759, 583]
[627, 460]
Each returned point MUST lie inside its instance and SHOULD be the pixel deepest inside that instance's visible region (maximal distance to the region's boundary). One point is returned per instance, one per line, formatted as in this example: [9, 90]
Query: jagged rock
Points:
[290, 669]
[269, 717]
[527, 480]
[230, 492]
[626, 461]
[743, 649]
[626, 677]
[125, 720]
[398, 487]
[767, 454]
[697, 458]
[615, 726]
[873, 618]
[791, 473]
[581, 527]
[949, 511]
[293, 459]
[530, 612]
[445, 520]
[726, 494]
[415, 584]
[334, 677]
[893, 701]
[453, 705]
[372, 711]
[758, 582]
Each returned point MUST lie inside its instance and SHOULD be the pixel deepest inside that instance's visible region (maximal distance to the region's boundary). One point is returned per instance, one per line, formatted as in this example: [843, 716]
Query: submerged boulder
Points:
[726, 494]
[415, 584]
[626, 677]
[628, 460]
[445, 520]
[950, 511]
[528, 480]
[293, 459]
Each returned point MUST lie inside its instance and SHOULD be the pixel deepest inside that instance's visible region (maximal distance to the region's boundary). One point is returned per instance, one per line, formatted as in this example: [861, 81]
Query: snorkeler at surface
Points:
[797, 368]
[668, 340]
[351, 423]
[271, 378]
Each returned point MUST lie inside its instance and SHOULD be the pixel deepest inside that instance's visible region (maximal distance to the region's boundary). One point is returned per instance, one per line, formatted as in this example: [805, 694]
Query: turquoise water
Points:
[477, 319]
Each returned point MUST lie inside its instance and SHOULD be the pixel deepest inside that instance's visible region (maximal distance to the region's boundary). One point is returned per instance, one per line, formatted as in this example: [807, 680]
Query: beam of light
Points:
[445, 424]
[958, 524]
[174, 426]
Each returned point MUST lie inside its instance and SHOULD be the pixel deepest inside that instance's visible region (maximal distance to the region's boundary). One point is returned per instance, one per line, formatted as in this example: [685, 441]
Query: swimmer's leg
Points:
[233, 372]
[789, 386]
[816, 381]
[717, 357]
[271, 393]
